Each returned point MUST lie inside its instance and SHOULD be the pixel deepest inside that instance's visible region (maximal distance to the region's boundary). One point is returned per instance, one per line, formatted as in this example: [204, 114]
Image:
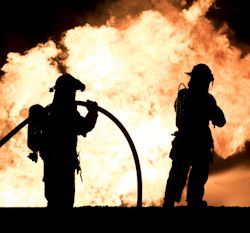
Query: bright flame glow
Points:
[134, 73]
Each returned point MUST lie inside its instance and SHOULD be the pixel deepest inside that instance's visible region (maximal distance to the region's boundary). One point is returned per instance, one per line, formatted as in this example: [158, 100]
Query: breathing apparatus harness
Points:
[179, 104]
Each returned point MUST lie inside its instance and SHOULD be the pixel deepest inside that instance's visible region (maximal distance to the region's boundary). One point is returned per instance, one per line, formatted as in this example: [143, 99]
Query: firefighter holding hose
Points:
[53, 132]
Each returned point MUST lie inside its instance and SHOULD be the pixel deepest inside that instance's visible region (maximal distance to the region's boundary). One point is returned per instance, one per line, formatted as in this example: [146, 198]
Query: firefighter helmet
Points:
[68, 82]
[201, 70]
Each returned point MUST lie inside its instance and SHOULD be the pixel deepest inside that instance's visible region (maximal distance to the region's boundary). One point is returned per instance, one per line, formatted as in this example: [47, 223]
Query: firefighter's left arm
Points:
[88, 122]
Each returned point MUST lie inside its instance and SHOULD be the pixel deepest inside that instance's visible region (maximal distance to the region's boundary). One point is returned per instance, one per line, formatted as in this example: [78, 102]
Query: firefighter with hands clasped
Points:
[192, 147]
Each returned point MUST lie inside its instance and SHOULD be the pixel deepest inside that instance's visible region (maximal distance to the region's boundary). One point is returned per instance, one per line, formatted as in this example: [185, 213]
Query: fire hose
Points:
[120, 126]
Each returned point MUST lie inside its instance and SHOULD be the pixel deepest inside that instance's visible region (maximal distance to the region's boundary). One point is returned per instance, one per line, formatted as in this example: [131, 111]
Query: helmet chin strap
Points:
[212, 83]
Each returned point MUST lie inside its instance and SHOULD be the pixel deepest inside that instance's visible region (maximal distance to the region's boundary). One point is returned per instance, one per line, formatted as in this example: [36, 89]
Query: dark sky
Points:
[25, 23]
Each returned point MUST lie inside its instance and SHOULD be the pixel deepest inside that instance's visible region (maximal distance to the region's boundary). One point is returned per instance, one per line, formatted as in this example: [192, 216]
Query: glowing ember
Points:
[134, 73]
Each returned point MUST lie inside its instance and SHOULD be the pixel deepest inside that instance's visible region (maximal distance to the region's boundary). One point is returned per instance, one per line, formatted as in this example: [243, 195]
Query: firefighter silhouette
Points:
[192, 147]
[53, 132]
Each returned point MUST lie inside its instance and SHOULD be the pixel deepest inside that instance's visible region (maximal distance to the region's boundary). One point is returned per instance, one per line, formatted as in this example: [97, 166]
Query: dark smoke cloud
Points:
[239, 159]
[236, 15]
[25, 23]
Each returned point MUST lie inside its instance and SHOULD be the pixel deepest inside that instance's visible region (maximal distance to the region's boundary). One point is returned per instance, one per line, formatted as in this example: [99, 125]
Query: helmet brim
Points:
[188, 73]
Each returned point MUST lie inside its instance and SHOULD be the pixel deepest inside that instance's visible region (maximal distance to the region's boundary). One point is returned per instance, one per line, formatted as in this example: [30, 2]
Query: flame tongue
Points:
[134, 72]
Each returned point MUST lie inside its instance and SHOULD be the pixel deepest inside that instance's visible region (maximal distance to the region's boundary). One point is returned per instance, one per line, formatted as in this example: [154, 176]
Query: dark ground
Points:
[123, 219]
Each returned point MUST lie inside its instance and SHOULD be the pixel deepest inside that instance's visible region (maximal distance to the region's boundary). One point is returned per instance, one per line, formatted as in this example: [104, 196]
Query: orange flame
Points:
[134, 72]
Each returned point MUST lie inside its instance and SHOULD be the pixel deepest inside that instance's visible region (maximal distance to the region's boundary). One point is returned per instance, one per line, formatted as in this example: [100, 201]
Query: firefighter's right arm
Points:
[217, 115]
[218, 118]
